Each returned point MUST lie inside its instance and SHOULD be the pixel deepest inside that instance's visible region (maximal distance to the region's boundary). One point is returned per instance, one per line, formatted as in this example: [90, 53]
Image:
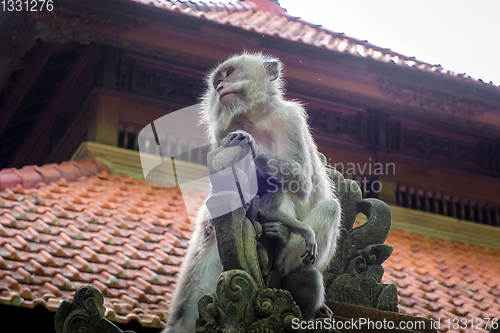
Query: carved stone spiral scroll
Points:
[238, 305]
[355, 273]
[85, 314]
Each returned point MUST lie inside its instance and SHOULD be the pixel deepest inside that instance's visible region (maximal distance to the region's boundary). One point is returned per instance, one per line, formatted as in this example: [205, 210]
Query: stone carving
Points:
[356, 270]
[246, 298]
[84, 314]
[239, 305]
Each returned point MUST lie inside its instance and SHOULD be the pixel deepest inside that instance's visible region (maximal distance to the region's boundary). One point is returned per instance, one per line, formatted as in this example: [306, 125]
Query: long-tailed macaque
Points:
[244, 104]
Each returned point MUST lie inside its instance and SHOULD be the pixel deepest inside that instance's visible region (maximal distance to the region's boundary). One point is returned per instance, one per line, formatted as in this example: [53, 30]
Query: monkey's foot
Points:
[311, 253]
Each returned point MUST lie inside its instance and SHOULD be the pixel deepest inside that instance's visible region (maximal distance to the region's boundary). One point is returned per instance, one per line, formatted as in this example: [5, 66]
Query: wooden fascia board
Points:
[195, 25]
[128, 162]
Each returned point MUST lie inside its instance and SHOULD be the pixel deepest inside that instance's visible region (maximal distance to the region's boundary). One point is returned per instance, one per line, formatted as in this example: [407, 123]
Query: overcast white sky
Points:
[460, 35]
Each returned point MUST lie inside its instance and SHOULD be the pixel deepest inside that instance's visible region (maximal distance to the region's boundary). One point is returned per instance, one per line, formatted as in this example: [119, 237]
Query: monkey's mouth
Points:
[225, 94]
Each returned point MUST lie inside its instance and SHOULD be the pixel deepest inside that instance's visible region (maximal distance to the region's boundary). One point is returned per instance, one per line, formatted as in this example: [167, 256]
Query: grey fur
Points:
[280, 138]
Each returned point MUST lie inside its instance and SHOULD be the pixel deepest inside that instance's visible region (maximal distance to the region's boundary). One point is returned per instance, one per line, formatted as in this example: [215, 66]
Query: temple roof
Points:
[64, 226]
[85, 227]
[443, 280]
[268, 18]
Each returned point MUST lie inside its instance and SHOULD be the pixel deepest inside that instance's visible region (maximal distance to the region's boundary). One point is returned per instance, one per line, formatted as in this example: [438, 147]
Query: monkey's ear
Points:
[272, 69]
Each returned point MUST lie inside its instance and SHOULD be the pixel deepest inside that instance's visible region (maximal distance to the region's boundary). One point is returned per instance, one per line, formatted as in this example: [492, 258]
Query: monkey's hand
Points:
[276, 230]
[239, 138]
[311, 253]
[282, 232]
[247, 143]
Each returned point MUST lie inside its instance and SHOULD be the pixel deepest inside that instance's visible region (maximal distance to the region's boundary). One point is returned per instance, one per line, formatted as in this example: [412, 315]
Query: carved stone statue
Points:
[247, 297]
[356, 270]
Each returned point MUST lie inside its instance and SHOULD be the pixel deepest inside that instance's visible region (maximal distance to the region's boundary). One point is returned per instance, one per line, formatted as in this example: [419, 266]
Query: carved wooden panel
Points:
[70, 21]
[401, 99]
[438, 147]
[334, 122]
[432, 99]
[15, 28]
[149, 79]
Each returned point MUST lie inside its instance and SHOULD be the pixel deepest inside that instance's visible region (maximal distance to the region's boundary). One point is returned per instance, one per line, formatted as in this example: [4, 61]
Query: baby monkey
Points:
[244, 106]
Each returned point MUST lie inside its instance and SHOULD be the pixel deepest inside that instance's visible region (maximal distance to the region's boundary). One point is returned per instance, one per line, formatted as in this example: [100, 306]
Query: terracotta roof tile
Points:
[438, 279]
[128, 239]
[267, 18]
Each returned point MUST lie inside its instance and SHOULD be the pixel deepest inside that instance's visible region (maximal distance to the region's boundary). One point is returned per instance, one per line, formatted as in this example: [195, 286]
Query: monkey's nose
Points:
[219, 87]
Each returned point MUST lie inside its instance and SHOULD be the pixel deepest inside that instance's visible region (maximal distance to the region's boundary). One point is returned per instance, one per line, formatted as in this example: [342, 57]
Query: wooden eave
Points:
[188, 46]
[198, 44]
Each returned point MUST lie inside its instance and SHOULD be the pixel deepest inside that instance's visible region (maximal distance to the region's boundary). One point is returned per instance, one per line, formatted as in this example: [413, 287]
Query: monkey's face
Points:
[224, 83]
[239, 90]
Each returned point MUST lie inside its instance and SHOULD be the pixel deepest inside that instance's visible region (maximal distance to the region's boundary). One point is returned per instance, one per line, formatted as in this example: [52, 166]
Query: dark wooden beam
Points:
[33, 146]
[16, 37]
[28, 77]
[74, 133]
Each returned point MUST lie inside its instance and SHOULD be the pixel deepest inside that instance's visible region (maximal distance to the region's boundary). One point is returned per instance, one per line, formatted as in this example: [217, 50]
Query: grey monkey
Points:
[244, 105]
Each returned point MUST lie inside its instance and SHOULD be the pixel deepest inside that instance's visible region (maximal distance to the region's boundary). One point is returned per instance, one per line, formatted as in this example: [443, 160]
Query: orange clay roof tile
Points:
[128, 239]
[441, 279]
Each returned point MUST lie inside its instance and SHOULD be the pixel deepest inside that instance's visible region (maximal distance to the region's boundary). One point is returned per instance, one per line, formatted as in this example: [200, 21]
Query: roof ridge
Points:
[271, 7]
[205, 6]
[276, 9]
[358, 41]
[32, 176]
[331, 40]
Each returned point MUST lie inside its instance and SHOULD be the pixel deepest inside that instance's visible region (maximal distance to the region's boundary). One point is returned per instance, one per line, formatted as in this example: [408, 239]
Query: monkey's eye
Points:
[218, 82]
[229, 71]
